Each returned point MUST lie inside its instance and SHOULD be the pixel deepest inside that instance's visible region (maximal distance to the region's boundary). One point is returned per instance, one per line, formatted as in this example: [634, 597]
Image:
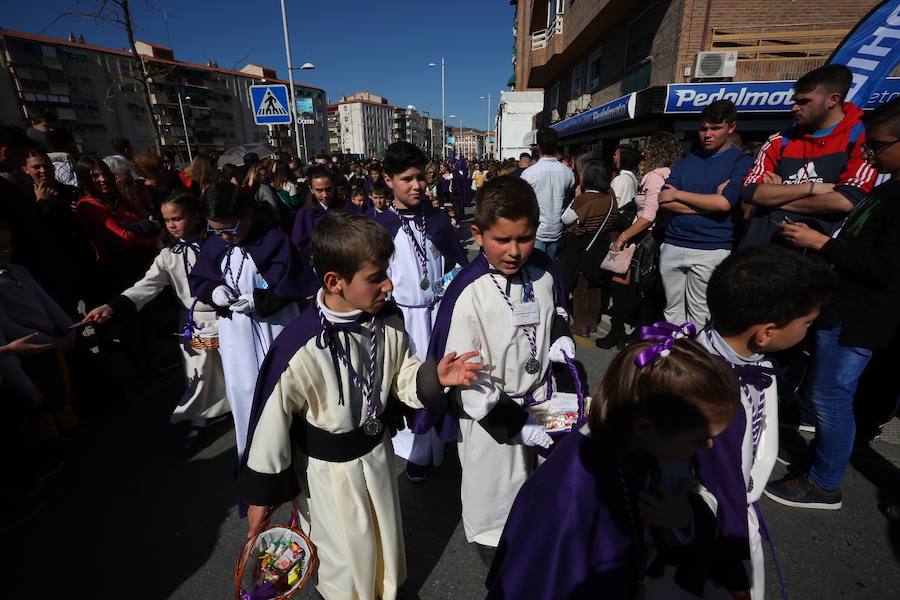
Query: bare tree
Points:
[118, 13]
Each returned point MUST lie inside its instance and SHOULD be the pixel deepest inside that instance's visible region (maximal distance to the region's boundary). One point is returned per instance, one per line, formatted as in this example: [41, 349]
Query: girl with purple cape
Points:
[616, 511]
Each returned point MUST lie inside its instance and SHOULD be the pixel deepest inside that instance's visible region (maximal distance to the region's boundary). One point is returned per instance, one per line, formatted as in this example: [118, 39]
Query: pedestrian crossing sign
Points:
[270, 104]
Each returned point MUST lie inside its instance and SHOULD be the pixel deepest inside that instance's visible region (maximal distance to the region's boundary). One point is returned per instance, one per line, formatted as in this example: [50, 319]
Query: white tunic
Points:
[245, 339]
[205, 396]
[406, 273]
[756, 468]
[354, 507]
[492, 473]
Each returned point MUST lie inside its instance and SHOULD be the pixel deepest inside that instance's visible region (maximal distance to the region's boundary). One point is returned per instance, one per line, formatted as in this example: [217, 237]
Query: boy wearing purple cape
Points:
[762, 300]
[510, 304]
[426, 248]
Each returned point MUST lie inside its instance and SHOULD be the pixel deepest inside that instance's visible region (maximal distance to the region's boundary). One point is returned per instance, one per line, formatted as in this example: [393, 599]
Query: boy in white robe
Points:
[762, 300]
[425, 248]
[508, 303]
[328, 385]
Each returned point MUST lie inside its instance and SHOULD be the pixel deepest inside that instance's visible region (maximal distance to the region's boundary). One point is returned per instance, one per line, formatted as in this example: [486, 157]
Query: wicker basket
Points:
[245, 582]
[540, 412]
[204, 343]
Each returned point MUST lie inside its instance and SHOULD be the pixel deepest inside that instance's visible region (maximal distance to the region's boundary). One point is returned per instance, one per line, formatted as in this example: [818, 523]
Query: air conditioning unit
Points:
[715, 64]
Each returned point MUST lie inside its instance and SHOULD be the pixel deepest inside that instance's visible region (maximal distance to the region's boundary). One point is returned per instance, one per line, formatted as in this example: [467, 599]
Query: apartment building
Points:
[613, 70]
[334, 129]
[96, 93]
[412, 126]
[469, 143]
[366, 123]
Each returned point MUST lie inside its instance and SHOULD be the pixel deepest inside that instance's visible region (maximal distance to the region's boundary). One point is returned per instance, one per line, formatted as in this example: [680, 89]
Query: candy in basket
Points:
[562, 412]
[275, 564]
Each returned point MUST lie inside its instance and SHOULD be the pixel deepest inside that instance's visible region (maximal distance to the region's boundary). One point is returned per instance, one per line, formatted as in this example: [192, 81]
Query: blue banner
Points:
[871, 50]
[758, 96]
[620, 109]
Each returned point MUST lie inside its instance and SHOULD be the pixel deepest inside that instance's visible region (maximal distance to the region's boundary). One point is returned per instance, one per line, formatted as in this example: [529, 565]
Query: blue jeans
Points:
[835, 375]
[549, 248]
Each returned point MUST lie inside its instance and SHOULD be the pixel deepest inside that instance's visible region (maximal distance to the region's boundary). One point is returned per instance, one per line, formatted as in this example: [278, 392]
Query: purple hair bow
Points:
[666, 334]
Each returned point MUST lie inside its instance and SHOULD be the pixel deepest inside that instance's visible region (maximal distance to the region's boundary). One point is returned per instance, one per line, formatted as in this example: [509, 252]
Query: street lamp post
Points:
[187, 140]
[488, 128]
[287, 49]
[443, 119]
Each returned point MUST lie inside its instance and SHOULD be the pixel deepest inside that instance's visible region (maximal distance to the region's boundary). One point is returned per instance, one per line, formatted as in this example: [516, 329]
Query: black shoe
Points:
[610, 341]
[485, 553]
[416, 473]
[801, 492]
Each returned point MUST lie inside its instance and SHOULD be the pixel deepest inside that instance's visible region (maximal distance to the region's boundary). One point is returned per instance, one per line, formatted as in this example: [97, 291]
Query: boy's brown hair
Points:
[506, 197]
[686, 389]
[343, 242]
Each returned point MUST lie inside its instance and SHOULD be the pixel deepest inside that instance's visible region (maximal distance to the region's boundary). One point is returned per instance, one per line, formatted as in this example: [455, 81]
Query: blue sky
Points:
[381, 46]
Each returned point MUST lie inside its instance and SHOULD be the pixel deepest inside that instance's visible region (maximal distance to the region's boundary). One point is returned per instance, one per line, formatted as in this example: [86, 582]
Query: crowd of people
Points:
[332, 308]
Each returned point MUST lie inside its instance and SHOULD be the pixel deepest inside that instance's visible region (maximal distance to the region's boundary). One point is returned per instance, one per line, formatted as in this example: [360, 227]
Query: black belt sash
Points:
[334, 447]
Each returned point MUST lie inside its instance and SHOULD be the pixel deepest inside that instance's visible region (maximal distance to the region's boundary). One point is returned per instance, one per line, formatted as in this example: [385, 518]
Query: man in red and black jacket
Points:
[813, 172]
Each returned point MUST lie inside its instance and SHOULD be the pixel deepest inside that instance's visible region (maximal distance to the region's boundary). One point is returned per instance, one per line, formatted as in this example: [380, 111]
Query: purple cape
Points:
[275, 257]
[293, 337]
[568, 533]
[304, 222]
[437, 229]
[719, 470]
[445, 424]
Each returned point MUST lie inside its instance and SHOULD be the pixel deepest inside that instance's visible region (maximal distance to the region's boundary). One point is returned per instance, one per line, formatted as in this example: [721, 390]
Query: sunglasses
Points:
[229, 230]
[872, 148]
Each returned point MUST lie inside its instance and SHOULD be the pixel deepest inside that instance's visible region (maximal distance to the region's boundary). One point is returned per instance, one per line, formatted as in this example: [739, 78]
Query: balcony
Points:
[540, 39]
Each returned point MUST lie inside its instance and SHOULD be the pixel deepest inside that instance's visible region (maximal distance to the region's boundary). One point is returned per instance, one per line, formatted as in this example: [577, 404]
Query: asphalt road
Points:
[133, 516]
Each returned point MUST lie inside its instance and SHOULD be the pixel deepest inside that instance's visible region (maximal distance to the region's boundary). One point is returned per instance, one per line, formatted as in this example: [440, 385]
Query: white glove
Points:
[562, 347]
[243, 305]
[532, 434]
[223, 296]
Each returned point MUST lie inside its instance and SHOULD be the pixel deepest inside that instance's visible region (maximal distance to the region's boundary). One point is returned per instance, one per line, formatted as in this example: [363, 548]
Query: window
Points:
[593, 69]
[554, 96]
[641, 32]
[48, 51]
[577, 80]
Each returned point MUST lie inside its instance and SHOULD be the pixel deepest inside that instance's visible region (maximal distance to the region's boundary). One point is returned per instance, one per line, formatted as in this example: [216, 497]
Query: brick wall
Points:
[765, 15]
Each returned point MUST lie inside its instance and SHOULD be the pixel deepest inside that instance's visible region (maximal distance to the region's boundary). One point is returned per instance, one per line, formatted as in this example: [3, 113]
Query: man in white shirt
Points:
[554, 185]
[625, 184]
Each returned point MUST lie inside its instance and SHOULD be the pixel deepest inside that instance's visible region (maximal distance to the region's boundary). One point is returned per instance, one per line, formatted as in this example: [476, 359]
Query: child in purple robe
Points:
[616, 512]
[762, 300]
[322, 198]
[252, 276]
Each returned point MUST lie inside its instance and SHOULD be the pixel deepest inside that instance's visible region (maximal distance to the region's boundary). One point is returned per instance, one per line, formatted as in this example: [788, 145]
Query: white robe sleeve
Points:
[466, 335]
[150, 285]
[405, 381]
[270, 452]
[768, 446]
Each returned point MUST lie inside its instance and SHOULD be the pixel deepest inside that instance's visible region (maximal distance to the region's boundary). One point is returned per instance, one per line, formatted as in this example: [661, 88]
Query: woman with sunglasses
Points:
[251, 274]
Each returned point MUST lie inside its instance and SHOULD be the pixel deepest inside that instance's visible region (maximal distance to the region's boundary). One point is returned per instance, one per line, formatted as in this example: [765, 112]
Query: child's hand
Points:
[670, 510]
[101, 314]
[24, 346]
[454, 370]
